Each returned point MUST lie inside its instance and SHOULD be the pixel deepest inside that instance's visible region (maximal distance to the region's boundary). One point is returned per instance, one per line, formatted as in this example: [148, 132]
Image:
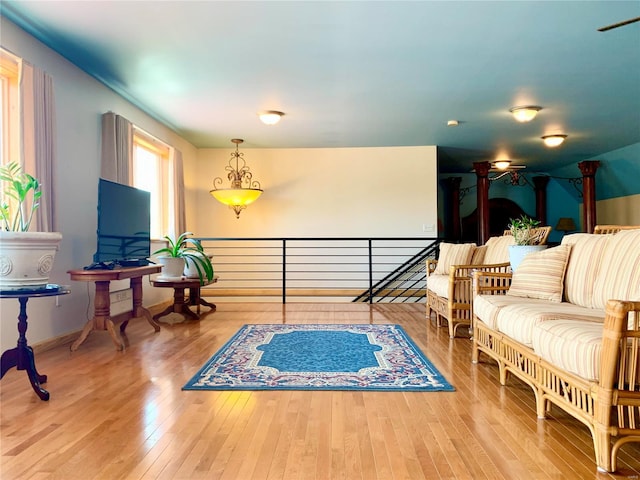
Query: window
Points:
[10, 108]
[152, 172]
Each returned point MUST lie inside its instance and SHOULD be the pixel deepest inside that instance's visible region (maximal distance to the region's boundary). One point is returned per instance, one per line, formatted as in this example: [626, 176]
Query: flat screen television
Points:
[124, 216]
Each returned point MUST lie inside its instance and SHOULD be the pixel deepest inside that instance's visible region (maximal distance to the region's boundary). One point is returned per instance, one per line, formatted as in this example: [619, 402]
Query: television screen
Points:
[123, 224]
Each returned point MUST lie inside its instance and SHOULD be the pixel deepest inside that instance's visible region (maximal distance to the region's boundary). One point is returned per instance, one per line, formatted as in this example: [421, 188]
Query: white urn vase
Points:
[26, 259]
[172, 268]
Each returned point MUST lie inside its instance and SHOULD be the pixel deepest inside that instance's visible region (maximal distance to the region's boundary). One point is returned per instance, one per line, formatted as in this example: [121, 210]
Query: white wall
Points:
[324, 192]
[619, 211]
[80, 102]
[308, 192]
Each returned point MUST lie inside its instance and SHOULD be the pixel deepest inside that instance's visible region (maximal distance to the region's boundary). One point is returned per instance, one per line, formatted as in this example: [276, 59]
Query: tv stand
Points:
[102, 319]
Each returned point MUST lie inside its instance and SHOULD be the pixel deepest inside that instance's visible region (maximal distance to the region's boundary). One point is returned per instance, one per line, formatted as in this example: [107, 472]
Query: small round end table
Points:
[22, 357]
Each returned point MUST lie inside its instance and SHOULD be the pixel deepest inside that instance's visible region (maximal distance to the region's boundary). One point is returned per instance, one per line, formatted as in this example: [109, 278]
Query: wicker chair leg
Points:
[542, 404]
[602, 447]
[475, 352]
[503, 372]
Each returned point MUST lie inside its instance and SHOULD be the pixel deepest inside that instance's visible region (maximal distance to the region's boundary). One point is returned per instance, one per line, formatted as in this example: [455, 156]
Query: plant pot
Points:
[518, 252]
[190, 270]
[172, 268]
[26, 259]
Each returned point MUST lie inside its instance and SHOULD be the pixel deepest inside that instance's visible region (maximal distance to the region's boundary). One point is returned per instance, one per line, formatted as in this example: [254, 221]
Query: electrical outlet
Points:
[428, 228]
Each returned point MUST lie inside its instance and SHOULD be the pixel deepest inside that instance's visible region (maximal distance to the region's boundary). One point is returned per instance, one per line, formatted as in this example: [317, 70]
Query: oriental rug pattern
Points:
[319, 357]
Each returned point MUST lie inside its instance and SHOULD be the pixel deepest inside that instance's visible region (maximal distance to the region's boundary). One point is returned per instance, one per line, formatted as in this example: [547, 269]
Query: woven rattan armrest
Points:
[491, 283]
[432, 263]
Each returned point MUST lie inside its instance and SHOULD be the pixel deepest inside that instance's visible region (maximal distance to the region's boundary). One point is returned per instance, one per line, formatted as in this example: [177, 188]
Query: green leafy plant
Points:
[522, 230]
[20, 195]
[190, 249]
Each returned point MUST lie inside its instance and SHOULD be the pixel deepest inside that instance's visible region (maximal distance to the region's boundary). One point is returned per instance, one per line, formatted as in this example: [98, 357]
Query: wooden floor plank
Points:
[122, 415]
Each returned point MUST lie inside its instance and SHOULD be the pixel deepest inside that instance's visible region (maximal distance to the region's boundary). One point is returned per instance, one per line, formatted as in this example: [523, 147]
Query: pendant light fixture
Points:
[237, 196]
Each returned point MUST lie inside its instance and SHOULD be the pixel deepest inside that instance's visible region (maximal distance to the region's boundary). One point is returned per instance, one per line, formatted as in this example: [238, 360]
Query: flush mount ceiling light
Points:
[525, 113]
[237, 197]
[502, 164]
[453, 123]
[270, 117]
[553, 140]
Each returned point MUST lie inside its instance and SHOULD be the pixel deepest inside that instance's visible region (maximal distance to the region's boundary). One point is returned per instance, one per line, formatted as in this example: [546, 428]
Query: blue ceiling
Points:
[358, 74]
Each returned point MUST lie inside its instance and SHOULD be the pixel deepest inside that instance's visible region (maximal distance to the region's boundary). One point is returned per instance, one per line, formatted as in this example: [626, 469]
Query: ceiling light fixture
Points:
[525, 113]
[237, 197]
[502, 164]
[553, 140]
[270, 117]
[453, 123]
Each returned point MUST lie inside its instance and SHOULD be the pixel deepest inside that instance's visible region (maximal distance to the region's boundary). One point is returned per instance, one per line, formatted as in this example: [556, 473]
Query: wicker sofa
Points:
[567, 323]
[449, 282]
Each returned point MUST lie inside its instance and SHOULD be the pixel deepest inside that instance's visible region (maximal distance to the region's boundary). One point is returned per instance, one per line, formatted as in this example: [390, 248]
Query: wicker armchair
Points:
[539, 235]
[604, 229]
[450, 296]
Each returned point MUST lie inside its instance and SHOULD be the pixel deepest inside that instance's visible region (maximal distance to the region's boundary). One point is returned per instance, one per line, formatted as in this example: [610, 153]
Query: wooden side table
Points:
[22, 356]
[102, 319]
[180, 305]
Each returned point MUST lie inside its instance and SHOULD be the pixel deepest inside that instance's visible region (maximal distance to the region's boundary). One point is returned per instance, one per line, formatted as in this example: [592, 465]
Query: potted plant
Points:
[26, 258]
[526, 238]
[182, 252]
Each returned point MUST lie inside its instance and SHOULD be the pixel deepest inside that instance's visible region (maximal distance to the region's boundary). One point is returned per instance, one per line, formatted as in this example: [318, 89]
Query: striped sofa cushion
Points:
[519, 320]
[454, 254]
[619, 277]
[498, 249]
[486, 307]
[541, 275]
[438, 284]
[574, 346]
[585, 261]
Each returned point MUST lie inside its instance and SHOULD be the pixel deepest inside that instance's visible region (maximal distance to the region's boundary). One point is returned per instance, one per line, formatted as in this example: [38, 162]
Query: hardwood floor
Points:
[123, 415]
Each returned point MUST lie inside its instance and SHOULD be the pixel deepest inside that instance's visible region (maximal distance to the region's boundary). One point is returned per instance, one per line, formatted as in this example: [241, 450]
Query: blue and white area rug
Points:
[319, 357]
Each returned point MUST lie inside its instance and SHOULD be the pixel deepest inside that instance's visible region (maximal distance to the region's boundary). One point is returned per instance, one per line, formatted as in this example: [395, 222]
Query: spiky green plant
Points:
[19, 198]
[191, 250]
[522, 230]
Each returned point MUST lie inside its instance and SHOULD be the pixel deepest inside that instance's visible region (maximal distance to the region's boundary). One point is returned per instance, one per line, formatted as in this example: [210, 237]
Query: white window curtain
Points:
[38, 144]
[117, 149]
[179, 217]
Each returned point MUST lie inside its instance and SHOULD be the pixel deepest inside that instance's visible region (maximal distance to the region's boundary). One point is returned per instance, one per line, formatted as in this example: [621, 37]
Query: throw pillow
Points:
[498, 249]
[541, 275]
[454, 254]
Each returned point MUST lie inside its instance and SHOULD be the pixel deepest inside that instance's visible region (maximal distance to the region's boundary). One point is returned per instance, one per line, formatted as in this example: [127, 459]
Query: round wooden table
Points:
[22, 356]
[181, 302]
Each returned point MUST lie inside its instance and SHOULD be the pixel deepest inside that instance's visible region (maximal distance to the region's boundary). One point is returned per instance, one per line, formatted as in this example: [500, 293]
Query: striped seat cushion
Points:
[541, 275]
[486, 307]
[574, 346]
[454, 254]
[519, 320]
[619, 277]
[438, 284]
[585, 262]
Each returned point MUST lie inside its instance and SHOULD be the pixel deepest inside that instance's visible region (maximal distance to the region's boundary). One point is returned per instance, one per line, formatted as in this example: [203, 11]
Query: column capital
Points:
[482, 168]
[588, 167]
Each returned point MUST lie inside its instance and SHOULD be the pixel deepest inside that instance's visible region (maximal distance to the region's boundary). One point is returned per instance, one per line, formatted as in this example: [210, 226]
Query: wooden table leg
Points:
[22, 356]
[179, 306]
[196, 300]
[88, 328]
